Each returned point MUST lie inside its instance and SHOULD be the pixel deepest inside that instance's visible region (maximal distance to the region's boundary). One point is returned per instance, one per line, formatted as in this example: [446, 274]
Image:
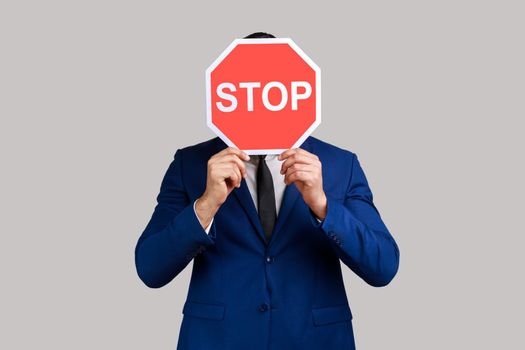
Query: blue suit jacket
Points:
[248, 294]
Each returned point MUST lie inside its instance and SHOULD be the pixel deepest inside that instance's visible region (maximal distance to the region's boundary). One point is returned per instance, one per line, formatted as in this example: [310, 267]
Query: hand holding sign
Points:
[225, 172]
[305, 170]
[263, 95]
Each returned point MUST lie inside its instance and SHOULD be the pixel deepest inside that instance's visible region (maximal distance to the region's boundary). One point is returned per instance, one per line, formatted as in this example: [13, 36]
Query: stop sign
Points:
[263, 95]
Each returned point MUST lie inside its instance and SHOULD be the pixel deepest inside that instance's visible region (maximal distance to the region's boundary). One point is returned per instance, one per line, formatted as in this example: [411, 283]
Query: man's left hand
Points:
[304, 169]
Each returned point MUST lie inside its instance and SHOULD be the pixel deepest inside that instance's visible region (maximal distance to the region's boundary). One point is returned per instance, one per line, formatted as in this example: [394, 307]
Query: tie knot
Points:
[262, 156]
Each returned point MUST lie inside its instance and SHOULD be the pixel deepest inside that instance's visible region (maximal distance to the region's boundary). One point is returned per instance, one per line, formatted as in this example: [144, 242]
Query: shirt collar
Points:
[269, 158]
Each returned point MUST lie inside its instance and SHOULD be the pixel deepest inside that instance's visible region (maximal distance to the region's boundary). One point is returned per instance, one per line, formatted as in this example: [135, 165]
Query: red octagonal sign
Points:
[263, 95]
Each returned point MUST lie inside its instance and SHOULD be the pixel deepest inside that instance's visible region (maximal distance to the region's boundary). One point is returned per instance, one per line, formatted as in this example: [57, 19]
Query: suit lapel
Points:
[291, 193]
[245, 200]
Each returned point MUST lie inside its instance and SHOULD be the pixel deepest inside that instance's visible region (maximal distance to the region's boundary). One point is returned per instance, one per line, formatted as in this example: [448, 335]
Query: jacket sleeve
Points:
[358, 234]
[173, 236]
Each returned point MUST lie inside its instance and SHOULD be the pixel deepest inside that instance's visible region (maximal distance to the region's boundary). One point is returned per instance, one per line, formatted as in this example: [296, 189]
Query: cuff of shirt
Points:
[318, 222]
[207, 229]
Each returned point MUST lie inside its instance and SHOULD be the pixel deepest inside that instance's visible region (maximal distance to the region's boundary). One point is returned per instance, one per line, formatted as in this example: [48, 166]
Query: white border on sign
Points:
[301, 53]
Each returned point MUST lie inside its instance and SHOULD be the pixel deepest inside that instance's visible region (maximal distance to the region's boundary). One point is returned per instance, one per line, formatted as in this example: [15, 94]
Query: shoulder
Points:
[328, 151]
[190, 162]
[201, 150]
[203, 147]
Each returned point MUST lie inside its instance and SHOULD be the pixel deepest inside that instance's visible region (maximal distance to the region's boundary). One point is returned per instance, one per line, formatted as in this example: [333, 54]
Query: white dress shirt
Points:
[274, 164]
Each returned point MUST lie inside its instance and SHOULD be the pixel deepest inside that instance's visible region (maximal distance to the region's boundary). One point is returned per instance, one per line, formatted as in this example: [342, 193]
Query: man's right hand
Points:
[225, 172]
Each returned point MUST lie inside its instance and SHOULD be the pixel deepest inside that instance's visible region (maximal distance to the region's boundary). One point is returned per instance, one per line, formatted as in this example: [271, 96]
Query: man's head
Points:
[259, 35]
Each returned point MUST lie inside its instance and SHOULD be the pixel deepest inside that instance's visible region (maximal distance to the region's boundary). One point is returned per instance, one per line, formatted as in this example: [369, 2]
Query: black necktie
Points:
[265, 197]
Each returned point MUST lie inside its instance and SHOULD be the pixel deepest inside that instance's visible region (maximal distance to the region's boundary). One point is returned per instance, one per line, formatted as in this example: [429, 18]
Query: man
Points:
[266, 235]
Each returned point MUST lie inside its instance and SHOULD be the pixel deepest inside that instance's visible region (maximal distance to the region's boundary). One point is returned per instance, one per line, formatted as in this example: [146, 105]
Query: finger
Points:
[300, 167]
[231, 150]
[235, 176]
[297, 158]
[219, 172]
[287, 153]
[223, 171]
[304, 176]
[306, 153]
[232, 158]
[293, 151]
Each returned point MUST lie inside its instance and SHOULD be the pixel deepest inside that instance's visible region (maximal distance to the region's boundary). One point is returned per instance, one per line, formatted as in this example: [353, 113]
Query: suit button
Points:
[263, 307]
[269, 259]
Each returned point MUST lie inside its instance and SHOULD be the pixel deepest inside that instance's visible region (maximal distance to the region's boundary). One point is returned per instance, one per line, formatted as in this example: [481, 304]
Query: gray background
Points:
[96, 96]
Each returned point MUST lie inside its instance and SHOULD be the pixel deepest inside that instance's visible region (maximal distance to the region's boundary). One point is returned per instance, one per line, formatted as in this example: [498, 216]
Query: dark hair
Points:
[259, 35]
